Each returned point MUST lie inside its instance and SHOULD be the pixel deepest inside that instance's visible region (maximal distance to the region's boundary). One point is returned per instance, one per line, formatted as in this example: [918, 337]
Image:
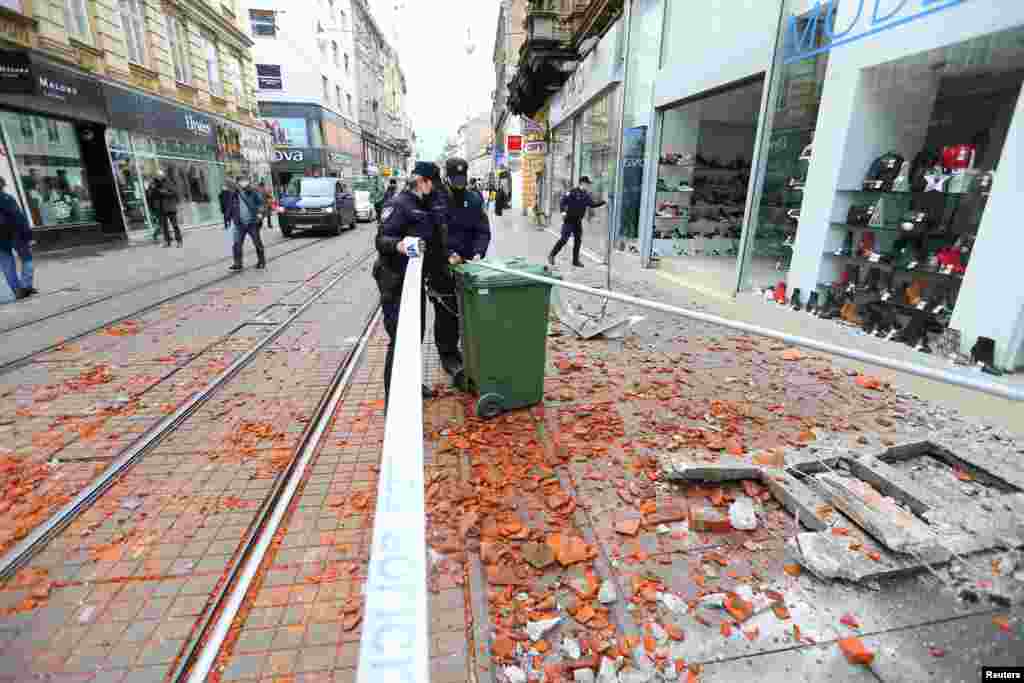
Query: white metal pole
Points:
[991, 388]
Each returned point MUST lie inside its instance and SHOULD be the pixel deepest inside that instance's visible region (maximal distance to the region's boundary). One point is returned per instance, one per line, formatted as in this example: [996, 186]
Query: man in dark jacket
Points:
[163, 200]
[225, 201]
[574, 206]
[245, 207]
[15, 238]
[416, 212]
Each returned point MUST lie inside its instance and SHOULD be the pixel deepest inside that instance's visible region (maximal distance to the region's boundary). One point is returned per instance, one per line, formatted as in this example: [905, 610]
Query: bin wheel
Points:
[488, 406]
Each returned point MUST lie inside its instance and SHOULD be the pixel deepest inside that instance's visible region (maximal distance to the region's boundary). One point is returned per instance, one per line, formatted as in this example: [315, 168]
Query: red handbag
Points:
[958, 157]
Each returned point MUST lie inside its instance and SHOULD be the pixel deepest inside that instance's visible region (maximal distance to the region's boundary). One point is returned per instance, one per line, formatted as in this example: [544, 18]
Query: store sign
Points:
[135, 111]
[514, 143]
[289, 155]
[536, 148]
[268, 77]
[15, 72]
[198, 125]
[870, 17]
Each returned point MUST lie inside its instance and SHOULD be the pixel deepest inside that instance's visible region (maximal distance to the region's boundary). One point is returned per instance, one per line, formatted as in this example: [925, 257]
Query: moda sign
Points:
[868, 18]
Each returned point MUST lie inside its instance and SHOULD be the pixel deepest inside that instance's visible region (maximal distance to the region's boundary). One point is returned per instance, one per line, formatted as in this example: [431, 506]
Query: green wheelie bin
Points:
[504, 324]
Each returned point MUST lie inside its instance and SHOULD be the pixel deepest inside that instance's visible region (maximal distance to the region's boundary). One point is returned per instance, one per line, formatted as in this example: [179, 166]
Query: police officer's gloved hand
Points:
[411, 247]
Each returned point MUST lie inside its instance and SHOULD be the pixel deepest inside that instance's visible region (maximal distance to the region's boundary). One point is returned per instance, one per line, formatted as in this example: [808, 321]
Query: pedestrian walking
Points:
[574, 207]
[413, 221]
[245, 210]
[15, 239]
[225, 201]
[163, 200]
[268, 201]
[499, 200]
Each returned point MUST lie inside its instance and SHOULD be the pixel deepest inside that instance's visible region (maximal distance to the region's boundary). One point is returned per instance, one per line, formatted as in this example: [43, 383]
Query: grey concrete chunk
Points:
[690, 471]
[801, 501]
[879, 515]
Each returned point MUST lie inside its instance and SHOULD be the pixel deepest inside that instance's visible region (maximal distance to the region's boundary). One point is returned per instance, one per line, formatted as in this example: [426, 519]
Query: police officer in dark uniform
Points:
[412, 213]
[574, 207]
[469, 235]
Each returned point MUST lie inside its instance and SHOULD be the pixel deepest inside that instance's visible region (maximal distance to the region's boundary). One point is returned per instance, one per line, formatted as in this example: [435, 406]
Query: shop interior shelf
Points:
[889, 266]
[858, 190]
[703, 169]
[894, 228]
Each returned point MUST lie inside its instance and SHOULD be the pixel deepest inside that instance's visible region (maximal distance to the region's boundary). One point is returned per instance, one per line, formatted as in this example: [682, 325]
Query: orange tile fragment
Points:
[856, 652]
[840, 531]
[674, 632]
[726, 629]
[503, 647]
[628, 527]
[792, 569]
[740, 609]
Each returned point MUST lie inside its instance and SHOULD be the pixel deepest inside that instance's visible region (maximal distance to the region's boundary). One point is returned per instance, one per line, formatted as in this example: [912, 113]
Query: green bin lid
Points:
[477, 276]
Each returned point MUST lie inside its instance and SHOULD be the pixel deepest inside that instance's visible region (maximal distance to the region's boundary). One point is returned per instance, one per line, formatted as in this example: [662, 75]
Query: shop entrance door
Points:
[705, 154]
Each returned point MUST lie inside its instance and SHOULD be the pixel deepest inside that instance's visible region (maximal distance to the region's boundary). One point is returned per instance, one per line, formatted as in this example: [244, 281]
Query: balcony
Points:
[546, 58]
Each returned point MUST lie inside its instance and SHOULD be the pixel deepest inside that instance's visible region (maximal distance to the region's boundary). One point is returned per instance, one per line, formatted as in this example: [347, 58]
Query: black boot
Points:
[578, 263]
[794, 301]
[812, 303]
[551, 259]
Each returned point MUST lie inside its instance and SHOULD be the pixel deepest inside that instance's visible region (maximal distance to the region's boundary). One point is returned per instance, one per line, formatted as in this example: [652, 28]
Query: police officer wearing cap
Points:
[469, 235]
[574, 207]
[413, 213]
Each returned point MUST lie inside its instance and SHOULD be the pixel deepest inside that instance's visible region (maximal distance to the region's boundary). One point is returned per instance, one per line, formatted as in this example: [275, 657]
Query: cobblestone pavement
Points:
[84, 287]
[603, 530]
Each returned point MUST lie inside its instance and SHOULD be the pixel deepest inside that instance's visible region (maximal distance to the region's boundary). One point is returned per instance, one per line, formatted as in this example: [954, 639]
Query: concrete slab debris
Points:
[742, 515]
[538, 629]
[690, 471]
[879, 515]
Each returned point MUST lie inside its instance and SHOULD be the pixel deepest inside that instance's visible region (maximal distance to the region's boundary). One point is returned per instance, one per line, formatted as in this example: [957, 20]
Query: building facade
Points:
[306, 86]
[98, 97]
[382, 91]
[507, 151]
[861, 158]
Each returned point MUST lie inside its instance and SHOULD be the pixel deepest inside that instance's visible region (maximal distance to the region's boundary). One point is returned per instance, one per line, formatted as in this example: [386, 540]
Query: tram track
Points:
[22, 552]
[8, 365]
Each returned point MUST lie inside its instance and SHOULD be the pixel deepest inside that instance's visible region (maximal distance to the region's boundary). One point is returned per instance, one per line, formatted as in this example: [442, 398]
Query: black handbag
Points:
[883, 172]
[859, 215]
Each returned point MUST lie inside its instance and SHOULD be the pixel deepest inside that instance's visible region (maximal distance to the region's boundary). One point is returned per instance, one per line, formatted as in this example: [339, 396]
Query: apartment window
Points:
[213, 68]
[327, 92]
[240, 88]
[349, 98]
[337, 96]
[263, 23]
[76, 18]
[177, 36]
[346, 62]
[334, 50]
[133, 23]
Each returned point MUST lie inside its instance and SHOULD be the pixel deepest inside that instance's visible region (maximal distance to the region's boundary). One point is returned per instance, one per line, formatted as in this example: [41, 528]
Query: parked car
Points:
[364, 206]
[316, 204]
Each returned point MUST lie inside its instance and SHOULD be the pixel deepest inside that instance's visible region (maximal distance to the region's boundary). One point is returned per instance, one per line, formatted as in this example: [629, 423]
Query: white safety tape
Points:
[395, 641]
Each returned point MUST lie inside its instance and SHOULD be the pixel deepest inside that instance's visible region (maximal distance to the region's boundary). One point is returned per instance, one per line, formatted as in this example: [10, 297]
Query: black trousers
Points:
[574, 230]
[446, 323]
[166, 220]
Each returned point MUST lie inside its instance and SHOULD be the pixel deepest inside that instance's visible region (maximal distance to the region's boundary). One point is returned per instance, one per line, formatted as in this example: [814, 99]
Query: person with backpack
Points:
[245, 210]
[574, 207]
[163, 199]
[15, 238]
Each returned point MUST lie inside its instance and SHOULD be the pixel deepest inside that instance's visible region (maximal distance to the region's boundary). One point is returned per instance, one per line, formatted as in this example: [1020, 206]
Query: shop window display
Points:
[703, 175]
[597, 161]
[49, 167]
[898, 257]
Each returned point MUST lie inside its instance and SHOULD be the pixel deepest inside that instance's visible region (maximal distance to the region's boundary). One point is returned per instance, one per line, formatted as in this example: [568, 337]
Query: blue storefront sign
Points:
[870, 17]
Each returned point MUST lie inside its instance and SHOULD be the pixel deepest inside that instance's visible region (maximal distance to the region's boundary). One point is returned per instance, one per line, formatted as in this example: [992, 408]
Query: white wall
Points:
[297, 49]
[711, 43]
[991, 298]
